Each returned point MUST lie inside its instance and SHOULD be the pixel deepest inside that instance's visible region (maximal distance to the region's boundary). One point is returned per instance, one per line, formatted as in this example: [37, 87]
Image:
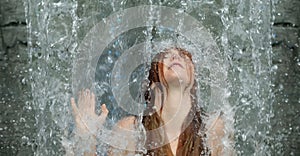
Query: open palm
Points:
[87, 121]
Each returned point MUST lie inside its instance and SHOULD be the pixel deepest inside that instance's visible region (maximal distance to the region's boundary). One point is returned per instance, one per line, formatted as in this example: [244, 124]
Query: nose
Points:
[175, 56]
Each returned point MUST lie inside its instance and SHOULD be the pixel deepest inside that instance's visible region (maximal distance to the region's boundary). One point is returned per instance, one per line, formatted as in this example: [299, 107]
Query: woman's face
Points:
[177, 68]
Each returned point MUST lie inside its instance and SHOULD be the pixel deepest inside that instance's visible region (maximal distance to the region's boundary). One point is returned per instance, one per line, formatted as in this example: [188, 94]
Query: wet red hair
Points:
[191, 139]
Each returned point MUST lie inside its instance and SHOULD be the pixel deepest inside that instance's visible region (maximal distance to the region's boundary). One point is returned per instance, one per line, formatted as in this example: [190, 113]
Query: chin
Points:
[175, 80]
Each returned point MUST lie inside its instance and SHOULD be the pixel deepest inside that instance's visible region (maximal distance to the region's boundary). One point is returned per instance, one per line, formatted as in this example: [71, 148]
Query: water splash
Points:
[241, 30]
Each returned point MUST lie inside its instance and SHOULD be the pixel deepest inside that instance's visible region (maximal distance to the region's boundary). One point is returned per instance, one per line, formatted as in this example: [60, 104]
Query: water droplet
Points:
[23, 81]
[117, 53]
[22, 119]
[239, 69]
[50, 133]
[280, 87]
[180, 10]
[25, 138]
[28, 107]
[183, 3]
[109, 59]
[244, 137]
[243, 100]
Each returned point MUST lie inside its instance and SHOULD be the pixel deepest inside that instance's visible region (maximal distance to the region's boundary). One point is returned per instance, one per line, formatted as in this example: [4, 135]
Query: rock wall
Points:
[286, 77]
[17, 130]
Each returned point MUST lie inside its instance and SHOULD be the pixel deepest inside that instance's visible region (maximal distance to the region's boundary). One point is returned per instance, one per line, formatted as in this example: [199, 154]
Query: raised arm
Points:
[87, 122]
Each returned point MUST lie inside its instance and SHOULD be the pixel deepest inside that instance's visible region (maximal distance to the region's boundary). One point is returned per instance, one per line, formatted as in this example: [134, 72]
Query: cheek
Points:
[162, 74]
[190, 70]
[168, 75]
[164, 70]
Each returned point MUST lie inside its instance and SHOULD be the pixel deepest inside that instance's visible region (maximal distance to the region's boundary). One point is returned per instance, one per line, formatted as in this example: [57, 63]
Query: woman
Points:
[172, 120]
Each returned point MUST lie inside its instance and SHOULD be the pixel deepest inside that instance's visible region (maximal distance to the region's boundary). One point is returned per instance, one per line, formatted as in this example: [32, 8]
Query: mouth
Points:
[175, 64]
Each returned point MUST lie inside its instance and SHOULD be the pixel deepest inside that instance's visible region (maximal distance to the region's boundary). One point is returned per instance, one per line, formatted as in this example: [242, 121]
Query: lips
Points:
[175, 64]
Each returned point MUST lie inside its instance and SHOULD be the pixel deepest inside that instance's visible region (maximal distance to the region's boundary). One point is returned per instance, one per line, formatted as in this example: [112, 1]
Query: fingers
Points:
[92, 102]
[75, 109]
[86, 107]
[81, 128]
[86, 101]
[192, 75]
[81, 100]
[104, 114]
[104, 109]
[85, 117]
[73, 104]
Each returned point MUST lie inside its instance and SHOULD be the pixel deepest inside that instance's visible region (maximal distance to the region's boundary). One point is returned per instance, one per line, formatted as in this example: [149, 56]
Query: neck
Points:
[177, 104]
[175, 109]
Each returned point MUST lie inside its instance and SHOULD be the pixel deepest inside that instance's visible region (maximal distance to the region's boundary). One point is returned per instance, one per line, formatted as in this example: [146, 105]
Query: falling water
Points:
[234, 77]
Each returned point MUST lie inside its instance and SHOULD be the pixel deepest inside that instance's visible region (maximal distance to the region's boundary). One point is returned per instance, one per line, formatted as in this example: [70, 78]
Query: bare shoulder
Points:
[218, 134]
[127, 123]
[124, 137]
[219, 126]
[216, 126]
[215, 134]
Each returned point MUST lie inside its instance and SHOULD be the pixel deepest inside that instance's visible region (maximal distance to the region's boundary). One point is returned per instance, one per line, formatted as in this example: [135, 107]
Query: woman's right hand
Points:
[87, 121]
